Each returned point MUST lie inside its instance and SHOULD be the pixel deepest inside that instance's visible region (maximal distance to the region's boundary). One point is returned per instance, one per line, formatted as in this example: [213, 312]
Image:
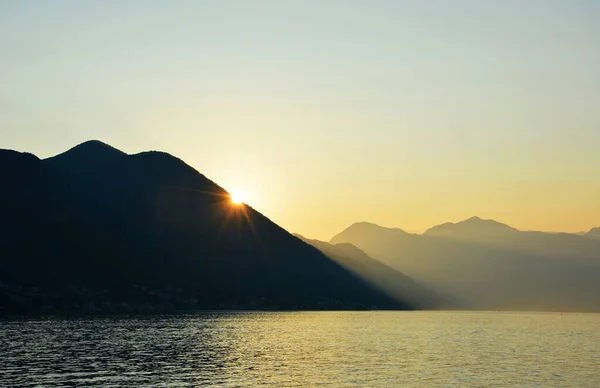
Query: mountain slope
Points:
[483, 272]
[593, 233]
[391, 281]
[95, 229]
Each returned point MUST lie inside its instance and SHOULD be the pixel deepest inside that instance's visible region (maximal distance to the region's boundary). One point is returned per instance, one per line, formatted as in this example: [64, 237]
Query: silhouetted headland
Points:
[97, 230]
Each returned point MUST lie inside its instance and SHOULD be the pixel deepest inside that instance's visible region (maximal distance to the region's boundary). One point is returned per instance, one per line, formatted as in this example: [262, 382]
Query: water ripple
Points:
[343, 349]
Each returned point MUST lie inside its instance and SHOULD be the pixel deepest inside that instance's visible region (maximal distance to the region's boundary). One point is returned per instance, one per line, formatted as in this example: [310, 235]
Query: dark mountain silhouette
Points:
[489, 265]
[593, 233]
[95, 229]
[395, 283]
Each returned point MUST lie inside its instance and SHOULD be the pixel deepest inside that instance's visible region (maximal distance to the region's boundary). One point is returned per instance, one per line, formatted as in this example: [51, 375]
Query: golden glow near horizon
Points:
[403, 113]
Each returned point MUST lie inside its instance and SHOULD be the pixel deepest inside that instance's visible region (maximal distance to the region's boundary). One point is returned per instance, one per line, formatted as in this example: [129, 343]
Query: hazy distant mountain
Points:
[95, 229]
[593, 233]
[490, 265]
[473, 229]
[392, 281]
[493, 233]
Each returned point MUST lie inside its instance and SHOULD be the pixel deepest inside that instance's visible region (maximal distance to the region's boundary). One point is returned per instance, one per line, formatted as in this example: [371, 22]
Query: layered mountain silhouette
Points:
[393, 282]
[489, 265]
[97, 230]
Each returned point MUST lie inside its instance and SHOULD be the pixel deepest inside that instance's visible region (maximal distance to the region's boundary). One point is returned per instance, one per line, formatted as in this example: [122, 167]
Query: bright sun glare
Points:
[237, 197]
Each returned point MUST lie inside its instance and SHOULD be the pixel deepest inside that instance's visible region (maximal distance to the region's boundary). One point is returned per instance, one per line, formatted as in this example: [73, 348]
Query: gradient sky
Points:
[327, 112]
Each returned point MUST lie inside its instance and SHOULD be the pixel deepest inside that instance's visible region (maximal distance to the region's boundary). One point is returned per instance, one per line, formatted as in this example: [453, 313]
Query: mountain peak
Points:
[365, 225]
[479, 220]
[114, 224]
[95, 147]
[482, 221]
[594, 233]
[93, 143]
[367, 229]
[472, 227]
[86, 155]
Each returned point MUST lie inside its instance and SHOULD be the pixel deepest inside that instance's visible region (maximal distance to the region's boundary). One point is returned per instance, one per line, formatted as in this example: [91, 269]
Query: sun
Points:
[238, 197]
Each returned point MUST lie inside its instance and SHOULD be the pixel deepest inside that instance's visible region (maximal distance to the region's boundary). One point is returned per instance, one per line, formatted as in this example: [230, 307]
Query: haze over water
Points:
[341, 349]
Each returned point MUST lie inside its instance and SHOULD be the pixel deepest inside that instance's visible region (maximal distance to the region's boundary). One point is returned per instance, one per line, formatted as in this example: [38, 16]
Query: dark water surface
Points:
[305, 349]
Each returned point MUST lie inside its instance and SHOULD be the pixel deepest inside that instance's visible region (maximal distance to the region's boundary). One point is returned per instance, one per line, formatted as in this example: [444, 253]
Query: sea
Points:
[304, 349]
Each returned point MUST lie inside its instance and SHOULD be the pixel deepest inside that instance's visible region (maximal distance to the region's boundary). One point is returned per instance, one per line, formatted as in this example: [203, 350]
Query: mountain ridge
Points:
[470, 225]
[394, 282]
[593, 233]
[105, 231]
[514, 270]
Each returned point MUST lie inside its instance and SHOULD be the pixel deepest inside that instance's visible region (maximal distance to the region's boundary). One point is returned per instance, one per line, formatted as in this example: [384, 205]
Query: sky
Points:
[327, 112]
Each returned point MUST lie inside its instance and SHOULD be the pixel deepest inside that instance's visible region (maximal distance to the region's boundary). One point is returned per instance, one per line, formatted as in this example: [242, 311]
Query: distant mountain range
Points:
[393, 282]
[493, 233]
[489, 265]
[98, 230]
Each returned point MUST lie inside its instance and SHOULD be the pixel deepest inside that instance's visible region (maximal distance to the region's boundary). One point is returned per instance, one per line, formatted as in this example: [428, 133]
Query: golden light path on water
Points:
[302, 349]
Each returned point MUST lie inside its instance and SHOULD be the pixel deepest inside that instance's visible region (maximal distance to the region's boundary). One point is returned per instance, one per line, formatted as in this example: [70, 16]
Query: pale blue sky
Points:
[404, 113]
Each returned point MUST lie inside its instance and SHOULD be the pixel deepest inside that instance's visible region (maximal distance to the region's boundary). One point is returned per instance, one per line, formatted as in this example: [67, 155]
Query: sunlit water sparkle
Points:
[286, 349]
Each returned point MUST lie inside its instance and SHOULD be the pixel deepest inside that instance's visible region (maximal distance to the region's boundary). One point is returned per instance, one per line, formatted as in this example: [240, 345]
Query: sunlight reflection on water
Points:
[306, 349]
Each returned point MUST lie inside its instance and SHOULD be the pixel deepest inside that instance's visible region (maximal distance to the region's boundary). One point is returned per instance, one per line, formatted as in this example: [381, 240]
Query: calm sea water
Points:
[305, 349]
